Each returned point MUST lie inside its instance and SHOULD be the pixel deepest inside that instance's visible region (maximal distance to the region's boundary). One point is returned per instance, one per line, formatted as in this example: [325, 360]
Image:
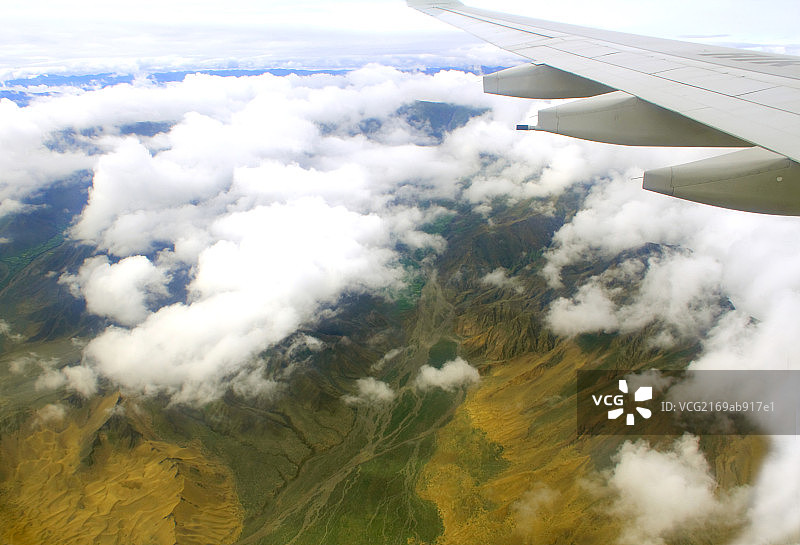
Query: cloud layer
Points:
[728, 280]
[664, 493]
[265, 199]
[256, 204]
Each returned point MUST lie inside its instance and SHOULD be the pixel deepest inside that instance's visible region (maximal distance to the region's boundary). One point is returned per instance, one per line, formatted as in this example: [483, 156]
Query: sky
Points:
[91, 36]
[245, 172]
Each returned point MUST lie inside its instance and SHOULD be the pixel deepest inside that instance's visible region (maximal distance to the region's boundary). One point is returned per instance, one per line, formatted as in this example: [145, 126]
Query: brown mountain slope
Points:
[64, 482]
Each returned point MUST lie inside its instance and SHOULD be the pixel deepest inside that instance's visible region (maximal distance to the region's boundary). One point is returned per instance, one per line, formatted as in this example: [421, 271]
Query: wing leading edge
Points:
[637, 90]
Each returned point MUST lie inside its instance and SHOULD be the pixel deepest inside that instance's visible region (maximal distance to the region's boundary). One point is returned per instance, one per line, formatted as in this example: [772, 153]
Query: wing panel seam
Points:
[746, 58]
[662, 78]
[462, 14]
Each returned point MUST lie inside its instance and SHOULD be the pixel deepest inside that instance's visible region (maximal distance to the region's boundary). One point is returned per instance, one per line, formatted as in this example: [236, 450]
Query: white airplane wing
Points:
[649, 91]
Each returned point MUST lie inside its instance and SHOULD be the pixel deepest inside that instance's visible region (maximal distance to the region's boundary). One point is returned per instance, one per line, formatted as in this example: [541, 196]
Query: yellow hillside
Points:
[540, 488]
[64, 483]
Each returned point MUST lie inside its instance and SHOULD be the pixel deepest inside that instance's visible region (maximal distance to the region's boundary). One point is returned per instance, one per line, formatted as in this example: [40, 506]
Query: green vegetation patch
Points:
[13, 264]
[443, 351]
[375, 504]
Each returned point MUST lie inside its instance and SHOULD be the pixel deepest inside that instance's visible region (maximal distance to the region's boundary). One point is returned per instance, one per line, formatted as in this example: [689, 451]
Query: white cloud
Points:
[120, 291]
[773, 515]
[659, 493]
[267, 197]
[389, 356]
[8, 332]
[252, 383]
[451, 376]
[26, 163]
[679, 291]
[53, 412]
[11, 206]
[50, 379]
[21, 364]
[305, 342]
[707, 255]
[269, 200]
[590, 310]
[80, 378]
[499, 278]
[617, 215]
[270, 272]
[44, 37]
[370, 391]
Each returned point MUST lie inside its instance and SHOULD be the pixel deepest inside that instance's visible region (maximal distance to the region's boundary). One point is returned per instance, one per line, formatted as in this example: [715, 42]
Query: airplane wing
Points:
[649, 91]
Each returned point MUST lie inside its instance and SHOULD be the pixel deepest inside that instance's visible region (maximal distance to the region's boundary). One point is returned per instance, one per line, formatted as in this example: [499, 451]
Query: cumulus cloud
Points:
[616, 216]
[370, 391]
[252, 383]
[660, 493]
[11, 206]
[27, 163]
[269, 273]
[21, 364]
[7, 331]
[50, 379]
[53, 412]
[706, 256]
[725, 278]
[772, 515]
[499, 278]
[79, 378]
[266, 199]
[682, 292]
[121, 290]
[450, 377]
[590, 310]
